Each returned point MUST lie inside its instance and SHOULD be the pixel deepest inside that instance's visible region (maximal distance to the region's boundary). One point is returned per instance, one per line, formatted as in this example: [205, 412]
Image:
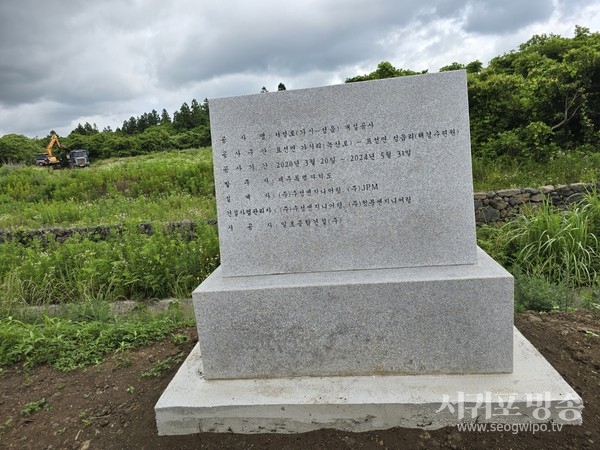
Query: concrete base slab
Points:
[533, 393]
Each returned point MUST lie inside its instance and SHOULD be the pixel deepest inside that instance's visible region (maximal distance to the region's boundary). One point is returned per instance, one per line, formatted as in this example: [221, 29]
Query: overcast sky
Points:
[64, 62]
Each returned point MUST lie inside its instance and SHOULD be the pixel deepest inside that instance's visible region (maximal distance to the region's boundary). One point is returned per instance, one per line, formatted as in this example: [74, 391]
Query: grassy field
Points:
[163, 187]
[554, 255]
[505, 173]
[85, 274]
[154, 189]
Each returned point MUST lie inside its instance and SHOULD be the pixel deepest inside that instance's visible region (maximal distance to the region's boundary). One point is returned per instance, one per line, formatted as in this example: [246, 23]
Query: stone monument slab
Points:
[351, 292]
[355, 176]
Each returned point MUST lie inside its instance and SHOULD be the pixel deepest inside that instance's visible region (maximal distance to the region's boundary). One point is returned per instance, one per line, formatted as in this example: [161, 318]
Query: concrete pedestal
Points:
[424, 347]
[420, 320]
[533, 393]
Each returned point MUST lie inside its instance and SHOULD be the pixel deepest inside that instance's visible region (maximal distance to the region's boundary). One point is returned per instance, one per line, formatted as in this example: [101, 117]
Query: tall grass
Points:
[166, 186]
[155, 189]
[550, 251]
[559, 245]
[502, 173]
[174, 186]
[107, 211]
[128, 265]
[85, 274]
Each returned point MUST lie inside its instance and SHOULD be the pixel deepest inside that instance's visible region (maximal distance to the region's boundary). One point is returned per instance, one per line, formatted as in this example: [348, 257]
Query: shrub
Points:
[536, 293]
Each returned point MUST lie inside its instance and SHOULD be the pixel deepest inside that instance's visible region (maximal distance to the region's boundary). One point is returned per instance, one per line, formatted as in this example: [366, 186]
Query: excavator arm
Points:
[50, 159]
[50, 145]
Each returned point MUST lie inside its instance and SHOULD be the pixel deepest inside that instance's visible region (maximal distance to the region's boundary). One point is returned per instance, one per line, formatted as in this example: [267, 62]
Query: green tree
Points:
[153, 118]
[196, 138]
[199, 114]
[79, 129]
[155, 139]
[546, 95]
[143, 123]
[182, 119]
[118, 145]
[86, 129]
[78, 140]
[453, 66]
[384, 70]
[474, 66]
[130, 126]
[495, 106]
[165, 118]
[16, 148]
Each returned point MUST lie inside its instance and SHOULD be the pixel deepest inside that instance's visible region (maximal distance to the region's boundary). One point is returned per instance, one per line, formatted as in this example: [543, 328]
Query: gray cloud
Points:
[576, 9]
[491, 16]
[314, 35]
[68, 61]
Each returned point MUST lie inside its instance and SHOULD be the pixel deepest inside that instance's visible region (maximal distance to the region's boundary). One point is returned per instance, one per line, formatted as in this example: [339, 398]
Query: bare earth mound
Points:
[112, 405]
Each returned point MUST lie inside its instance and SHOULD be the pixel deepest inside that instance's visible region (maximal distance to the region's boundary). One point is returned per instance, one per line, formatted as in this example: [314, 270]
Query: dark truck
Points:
[78, 158]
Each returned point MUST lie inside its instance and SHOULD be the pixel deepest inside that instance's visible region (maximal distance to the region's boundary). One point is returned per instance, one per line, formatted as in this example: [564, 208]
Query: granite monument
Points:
[351, 291]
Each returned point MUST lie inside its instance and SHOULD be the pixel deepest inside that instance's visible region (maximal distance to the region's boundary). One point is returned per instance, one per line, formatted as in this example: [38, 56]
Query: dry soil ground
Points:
[110, 406]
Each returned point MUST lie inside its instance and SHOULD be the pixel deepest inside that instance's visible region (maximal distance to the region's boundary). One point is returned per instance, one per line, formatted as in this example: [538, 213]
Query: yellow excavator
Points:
[73, 158]
[48, 159]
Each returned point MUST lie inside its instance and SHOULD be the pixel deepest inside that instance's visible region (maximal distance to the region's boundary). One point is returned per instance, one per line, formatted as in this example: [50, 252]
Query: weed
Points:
[160, 367]
[130, 389]
[89, 310]
[5, 425]
[553, 254]
[494, 241]
[128, 265]
[84, 418]
[87, 272]
[536, 293]
[491, 174]
[558, 245]
[33, 407]
[68, 344]
[173, 186]
[179, 338]
[123, 264]
[122, 362]
[590, 300]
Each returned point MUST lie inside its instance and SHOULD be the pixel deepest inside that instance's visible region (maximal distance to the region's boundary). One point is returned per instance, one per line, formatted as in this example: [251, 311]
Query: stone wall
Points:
[490, 207]
[94, 233]
[500, 206]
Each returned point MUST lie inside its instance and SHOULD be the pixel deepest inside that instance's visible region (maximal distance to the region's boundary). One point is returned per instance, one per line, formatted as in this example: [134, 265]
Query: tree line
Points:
[534, 103]
[150, 132]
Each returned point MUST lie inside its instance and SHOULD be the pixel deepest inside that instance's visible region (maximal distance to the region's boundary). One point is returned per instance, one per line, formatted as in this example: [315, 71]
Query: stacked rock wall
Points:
[503, 205]
[97, 233]
[490, 207]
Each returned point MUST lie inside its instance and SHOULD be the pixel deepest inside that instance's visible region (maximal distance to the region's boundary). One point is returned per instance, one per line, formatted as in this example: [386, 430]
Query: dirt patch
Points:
[111, 406]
